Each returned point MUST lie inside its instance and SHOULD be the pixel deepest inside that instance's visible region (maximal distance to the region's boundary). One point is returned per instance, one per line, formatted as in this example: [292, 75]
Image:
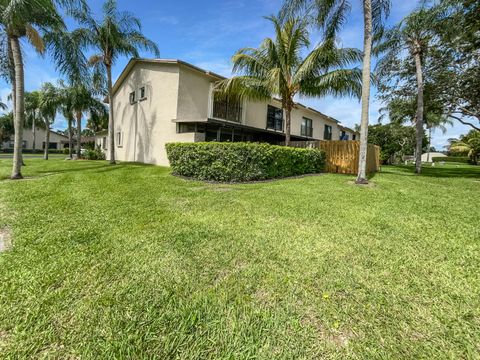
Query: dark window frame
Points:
[274, 118]
[143, 93]
[327, 132]
[306, 128]
[132, 97]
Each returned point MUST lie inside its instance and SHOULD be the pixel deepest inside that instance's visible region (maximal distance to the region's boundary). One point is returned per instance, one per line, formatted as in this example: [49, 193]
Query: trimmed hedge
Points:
[241, 161]
[457, 159]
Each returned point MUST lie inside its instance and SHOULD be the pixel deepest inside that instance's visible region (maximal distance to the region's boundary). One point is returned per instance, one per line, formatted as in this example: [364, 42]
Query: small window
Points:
[327, 133]
[119, 139]
[143, 93]
[11, 144]
[24, 144]
[274, 118]
[104, 143]
[343, 135]
[186, 128]
[133, 98]
[354, 137]
[306, 128]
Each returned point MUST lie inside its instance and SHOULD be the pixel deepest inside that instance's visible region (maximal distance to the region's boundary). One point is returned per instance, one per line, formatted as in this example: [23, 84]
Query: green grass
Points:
[130, 262]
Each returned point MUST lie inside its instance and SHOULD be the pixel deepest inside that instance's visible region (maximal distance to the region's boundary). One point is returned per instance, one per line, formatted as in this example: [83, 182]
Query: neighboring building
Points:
[427, 157]
[57, 141]
[160, 101]
[347, 133]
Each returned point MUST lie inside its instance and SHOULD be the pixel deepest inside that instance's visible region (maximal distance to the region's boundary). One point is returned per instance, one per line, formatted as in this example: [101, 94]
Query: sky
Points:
[207, 33]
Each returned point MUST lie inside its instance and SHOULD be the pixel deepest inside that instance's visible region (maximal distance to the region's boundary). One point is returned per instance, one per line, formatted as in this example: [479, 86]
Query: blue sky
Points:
[207, 33]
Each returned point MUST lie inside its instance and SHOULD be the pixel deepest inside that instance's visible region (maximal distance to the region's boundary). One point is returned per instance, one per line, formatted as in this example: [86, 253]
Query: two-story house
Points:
[160, 101]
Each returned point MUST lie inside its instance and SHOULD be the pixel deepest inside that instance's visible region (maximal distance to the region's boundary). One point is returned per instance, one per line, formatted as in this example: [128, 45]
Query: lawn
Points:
[131, 262]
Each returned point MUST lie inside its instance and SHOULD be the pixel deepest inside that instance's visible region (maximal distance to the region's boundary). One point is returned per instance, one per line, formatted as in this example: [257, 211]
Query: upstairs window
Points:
[327, 133]
[307, 127]
[133, 98]
[274, 118]
[354, 137]
[143, 93]
[343, 135]
[227, 107]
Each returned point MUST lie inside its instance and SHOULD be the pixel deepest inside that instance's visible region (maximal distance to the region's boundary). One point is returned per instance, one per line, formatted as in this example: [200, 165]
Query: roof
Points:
[135, 61]
[130, 65]
[347, 128]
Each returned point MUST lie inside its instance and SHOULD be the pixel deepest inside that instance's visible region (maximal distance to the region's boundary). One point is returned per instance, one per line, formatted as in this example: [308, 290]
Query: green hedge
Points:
[457, 159]
[239, 161]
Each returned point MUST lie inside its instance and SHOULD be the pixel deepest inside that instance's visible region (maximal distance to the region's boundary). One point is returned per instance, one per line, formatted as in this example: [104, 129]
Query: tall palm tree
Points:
[117, 33]
[24, 19]
[32, 113]
[50, 102]
[77, 99]
[331, 15]
[277, 68]
[412, 36]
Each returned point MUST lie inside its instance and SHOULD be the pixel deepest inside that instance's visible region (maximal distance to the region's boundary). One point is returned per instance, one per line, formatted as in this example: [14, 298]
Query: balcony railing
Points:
[227, 108]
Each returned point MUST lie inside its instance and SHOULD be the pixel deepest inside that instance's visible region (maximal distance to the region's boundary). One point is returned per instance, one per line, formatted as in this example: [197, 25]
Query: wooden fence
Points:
[343, 155]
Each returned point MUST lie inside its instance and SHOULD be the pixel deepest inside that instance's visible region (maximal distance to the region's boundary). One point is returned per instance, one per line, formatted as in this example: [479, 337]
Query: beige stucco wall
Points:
[39, 139]
[147, 126]
[193, 94]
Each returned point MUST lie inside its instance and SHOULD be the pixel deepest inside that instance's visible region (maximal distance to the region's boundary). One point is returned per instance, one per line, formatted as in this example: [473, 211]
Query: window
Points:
[133, 99]
[24, 144]
[11, 144]
[52, 145]
[343, 135]
[185, 128]
[143, 94]
[227, 107]
[274, 118]
[119, 139]
[354, 137]
[307, 127]
[104, 143]
[327, 133]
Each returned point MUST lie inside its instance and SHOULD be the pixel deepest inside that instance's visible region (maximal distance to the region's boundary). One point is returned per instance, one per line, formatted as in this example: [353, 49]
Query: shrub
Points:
[96, 154]
[457, 159]
[242, 161]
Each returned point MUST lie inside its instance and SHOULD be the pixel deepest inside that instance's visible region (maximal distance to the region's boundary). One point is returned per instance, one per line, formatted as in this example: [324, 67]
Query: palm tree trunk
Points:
[111, 129]
[19, 107]
[288, 119]
[47, 139]
[79, 133]
[367, 53]
[70, 139]
[429, 143]
[34, 133]
[419, 116]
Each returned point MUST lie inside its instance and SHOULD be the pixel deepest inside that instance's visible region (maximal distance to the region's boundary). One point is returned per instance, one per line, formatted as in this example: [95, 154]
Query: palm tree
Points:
[117, 33]
[435, 122]
[78, 99]
[277, 68]
[331, 15]
[50, 102]
[32, 113]
[412, 36]
[23, 19]
[469, 144]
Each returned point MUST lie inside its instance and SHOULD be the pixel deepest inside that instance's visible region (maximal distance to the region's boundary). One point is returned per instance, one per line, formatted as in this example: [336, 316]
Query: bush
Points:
[242, 161]
[457, 159]
[96, 154]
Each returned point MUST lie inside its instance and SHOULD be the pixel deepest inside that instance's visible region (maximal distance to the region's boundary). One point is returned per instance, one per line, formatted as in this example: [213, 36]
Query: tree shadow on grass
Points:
[448, 171]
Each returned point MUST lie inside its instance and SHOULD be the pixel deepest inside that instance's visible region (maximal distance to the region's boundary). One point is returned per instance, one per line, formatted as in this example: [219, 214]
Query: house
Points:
[428, 157]
[347, 133]
[157, 101]
[57, 141]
